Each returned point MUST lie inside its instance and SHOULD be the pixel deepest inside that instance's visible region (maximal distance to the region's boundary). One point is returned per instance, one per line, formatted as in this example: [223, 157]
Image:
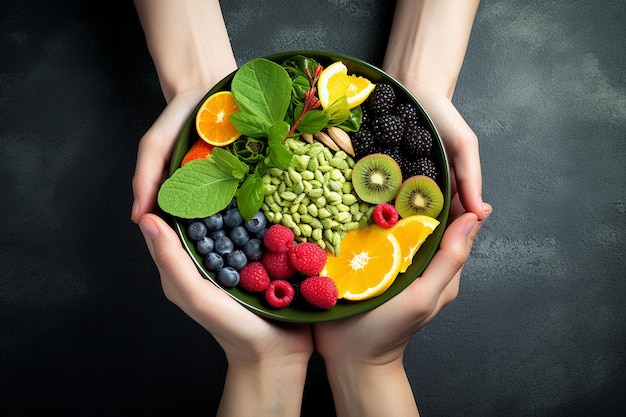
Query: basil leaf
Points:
[250, 196]
[262, 88]
[198, 189]
[228, 163]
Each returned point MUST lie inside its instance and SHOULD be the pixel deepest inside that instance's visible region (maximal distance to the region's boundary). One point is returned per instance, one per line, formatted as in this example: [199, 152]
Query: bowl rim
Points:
[343, 309]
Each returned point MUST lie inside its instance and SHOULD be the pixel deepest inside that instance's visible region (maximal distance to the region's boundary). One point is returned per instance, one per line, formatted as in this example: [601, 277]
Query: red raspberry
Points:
[308, 258]
[385, 215]
[278, 238]
[279, 293]
[277, 265]
[320, 292]
[254, 277]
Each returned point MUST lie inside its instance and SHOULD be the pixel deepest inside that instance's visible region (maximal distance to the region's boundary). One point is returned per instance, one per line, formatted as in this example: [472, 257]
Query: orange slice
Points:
[367, 264]
[411, 232]
[213, 119]
[334, 83]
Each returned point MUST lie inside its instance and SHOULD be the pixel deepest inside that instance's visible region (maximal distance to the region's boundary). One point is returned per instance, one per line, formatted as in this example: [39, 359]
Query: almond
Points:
[326, 140]
[342, 139]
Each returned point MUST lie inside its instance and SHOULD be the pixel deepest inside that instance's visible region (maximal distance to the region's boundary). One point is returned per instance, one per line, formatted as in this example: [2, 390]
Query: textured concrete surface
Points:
[539, 328]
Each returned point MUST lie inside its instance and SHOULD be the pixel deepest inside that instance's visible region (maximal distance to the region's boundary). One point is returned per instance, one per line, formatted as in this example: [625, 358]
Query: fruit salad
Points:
[306, 185]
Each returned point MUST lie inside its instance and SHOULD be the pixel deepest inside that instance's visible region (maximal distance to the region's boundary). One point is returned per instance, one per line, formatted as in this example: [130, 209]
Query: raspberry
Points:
[278, 238]
[385, 215]
[320, 292]
[277, 265]
[254, 277]
[308, 258]
[279, 293]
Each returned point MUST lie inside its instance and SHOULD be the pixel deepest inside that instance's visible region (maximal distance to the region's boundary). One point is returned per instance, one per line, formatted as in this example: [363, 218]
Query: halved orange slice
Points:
[367, 264]
[334, 83]
[411, 232]
[213, 119]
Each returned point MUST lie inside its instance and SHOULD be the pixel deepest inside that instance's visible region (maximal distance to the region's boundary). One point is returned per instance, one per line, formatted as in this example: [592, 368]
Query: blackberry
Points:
[388, 130]
[395, 152]
[408, 113]
[419, 166]
[417, 141]
[382, 100]
[366, 118]
[363, 142]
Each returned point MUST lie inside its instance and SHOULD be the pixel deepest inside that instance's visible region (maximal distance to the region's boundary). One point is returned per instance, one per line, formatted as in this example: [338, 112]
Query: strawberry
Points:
[253, 277]
[277, 265]
[319, 291]
[200, 149]
[308, 258]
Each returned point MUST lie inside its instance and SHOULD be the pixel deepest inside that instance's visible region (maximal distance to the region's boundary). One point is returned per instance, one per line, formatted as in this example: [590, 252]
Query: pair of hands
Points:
[376, 337]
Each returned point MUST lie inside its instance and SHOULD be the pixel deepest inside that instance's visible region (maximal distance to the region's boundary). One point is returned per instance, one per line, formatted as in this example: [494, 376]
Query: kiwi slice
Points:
[376, 178]
[419, 194]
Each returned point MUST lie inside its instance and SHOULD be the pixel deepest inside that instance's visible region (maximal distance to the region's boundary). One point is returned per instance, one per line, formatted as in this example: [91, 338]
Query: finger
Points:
[154, 152]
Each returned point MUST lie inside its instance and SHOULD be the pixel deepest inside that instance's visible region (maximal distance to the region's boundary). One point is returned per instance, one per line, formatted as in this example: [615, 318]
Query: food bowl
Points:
[343, 309]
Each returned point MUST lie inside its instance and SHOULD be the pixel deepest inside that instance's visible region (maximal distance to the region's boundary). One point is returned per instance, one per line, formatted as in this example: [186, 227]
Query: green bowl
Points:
[343, 309]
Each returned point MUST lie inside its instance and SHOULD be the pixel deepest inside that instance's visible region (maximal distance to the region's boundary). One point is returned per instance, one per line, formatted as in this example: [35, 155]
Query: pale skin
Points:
[267, 361]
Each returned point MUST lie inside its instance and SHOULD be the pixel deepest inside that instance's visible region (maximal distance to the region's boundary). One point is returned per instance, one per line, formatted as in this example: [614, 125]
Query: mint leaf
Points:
[229, 163]
[279, 156]
[248, 124]
[277, 132]
[263, 88]
[250, 196]
[197, 189]
[313, 121]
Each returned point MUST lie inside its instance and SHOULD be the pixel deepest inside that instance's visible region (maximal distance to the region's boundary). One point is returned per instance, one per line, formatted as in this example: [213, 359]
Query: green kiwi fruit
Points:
[419, 194]
[376, 178]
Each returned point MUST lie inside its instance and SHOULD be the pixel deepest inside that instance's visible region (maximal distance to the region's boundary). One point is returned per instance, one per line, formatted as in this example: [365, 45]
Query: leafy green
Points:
[229, 163]
[197, 189]
[250, 196]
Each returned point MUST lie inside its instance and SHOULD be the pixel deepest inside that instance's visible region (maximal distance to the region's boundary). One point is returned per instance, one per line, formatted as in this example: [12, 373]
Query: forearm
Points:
[428, 42]
[188, 43]
[361, 390]
[274, 391]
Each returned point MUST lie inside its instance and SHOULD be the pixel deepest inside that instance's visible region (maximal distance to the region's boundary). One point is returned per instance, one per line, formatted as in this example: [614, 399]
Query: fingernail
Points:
[149, 228]
[469, 226]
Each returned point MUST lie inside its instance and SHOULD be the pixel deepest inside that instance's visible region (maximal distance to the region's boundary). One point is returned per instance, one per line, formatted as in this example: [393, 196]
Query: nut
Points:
[341, 138]
[323, 138]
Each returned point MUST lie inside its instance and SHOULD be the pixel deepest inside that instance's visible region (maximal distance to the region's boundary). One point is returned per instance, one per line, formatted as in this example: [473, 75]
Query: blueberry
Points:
[214, 222]
[256, 223]
[216, 234]
[232, 218]
[231, 205]
[204, 245]
[213, 262]
[196, 230]
[236, 259]
[260, 234]
[253, 249]
[228, 277]
[239, 235]
[223, 245]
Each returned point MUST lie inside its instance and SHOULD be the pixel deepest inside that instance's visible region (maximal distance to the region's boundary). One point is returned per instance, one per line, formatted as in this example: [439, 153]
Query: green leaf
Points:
[198, 189]
[338, 111]
[250, 196]
[229, 163]
[313, 121]
[279, 156]
[353, 123]
[249, 124]
[262, 88]
[277, 133]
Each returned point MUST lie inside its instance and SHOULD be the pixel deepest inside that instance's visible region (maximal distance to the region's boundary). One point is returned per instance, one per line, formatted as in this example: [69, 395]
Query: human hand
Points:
[363, 354]
[267, 360]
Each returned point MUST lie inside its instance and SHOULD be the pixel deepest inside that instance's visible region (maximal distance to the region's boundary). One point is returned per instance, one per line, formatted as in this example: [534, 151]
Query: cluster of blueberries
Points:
[228, 242]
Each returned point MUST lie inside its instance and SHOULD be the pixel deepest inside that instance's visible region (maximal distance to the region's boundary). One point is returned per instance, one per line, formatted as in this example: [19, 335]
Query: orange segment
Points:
[334, 83]
[411, 232]
[367, 264]
[213, 119]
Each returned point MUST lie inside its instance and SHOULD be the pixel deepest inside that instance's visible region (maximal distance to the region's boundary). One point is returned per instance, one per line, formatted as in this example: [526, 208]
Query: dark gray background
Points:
[539, 327]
